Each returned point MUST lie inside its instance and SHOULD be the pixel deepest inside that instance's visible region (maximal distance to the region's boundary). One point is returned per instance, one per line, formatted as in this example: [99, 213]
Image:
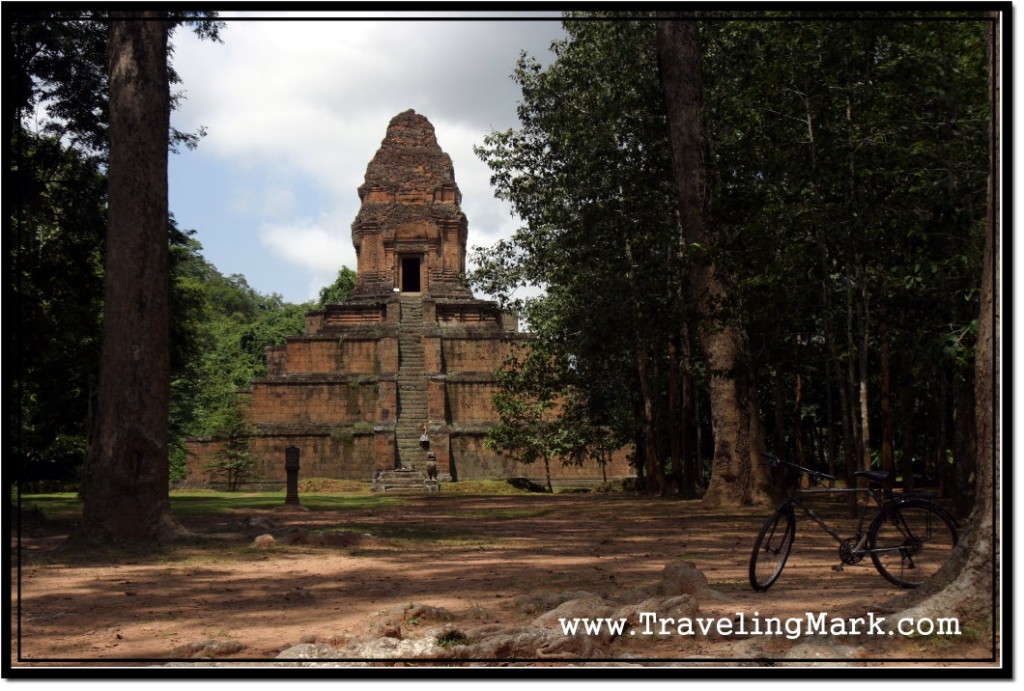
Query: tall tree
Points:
[840, 218]
[589, 174]
[529, 428]
[125, 483]
[56, 121]
[971, 588]
[737, 476]
[848, 159]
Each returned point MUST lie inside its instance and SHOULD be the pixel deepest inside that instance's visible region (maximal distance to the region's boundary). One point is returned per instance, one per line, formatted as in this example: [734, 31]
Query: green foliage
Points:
[234, 325]
[852, 160]
[589, 173]
[340, 289]
[57, 64]
[847, 175]
[58, 225]
[234, 460]
[530, 426]
[451, 637]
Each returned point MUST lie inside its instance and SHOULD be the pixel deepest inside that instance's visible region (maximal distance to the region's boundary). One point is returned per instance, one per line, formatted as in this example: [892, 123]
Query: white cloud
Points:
[306, 94]
[274, 200]
[490, 219]
[314, 246]
[299, 109]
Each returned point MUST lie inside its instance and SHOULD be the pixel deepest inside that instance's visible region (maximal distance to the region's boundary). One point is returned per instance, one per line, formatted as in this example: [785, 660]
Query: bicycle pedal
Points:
[837, 567]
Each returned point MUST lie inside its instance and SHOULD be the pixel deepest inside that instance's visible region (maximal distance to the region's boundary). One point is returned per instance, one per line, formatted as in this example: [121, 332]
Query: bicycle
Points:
[908, 540]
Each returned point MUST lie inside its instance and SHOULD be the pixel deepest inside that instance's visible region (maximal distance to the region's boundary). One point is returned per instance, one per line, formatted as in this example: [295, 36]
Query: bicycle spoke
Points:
[771, 550]
[911, 542]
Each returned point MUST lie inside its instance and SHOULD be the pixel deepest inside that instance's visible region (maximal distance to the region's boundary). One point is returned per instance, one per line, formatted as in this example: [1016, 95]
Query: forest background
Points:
[847, 170]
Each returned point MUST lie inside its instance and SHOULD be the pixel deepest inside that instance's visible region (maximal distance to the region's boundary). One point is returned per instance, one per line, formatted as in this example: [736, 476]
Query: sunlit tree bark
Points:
[737, 477]
[125, 478]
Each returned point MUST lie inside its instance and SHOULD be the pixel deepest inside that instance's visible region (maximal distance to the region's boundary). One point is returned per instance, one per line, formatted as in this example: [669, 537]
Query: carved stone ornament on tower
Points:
[410, 232]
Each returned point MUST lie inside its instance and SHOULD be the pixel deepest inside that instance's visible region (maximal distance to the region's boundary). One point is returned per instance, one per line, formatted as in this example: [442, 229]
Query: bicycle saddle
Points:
[879, 476]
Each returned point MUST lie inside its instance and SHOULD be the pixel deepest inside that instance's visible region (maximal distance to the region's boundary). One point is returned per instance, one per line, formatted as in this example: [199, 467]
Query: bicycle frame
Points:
[893, 541]
[879, 500]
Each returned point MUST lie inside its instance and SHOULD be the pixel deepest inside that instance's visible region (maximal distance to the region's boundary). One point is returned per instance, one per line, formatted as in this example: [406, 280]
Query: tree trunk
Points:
[737, 477]
[973, 591]
[907, 402]
[888, 462]
[865, 433]
[693, 480]
[856, 451]
[675, 427]
[829, 444]
[965, 446]
[832, 369]
[779, 433]
[798, 413]
[937, 476]
[655, 473]
[547, 473]
[125, 477]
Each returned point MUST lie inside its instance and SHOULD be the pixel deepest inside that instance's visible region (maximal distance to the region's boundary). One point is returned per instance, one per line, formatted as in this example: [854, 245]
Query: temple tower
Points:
[410, 348]
[410, 233]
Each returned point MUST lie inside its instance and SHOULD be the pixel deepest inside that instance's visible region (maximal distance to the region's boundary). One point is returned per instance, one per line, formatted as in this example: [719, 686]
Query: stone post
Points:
[291, 467]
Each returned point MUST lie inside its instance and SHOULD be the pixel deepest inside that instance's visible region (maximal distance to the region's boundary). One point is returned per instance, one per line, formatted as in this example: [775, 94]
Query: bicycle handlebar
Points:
[774, 461]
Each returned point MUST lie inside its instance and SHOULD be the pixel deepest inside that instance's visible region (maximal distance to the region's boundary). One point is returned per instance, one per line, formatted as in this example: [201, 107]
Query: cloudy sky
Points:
[294, 111]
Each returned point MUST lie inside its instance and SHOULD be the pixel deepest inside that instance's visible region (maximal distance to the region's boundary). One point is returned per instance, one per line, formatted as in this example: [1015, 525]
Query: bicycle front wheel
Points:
[910, 541]
[771, 549]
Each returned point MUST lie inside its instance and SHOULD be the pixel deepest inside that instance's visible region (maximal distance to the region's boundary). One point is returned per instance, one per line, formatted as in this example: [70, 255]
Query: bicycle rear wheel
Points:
[910, 541]
[771, 549]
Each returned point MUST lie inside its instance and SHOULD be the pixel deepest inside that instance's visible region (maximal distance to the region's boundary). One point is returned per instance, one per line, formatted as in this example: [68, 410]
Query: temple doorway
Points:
[411, 274]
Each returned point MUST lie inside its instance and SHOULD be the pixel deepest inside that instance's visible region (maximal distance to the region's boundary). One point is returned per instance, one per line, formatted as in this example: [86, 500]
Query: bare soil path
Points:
[471, 554]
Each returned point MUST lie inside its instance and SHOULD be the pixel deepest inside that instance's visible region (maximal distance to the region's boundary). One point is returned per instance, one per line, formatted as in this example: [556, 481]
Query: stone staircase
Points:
[395, 481]
[412, 386]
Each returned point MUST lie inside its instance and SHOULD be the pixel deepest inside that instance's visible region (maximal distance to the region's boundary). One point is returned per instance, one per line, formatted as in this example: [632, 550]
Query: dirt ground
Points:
[470, 554]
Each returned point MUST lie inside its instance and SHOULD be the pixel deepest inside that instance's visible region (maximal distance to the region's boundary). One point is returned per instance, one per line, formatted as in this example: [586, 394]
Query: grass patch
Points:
[419, 534]
[499, 514]
[66, 506]
[481, 487]
[326, 485]
[452, 637]
[56, 506]
[198, 503]
[424, 533]
[516, 486]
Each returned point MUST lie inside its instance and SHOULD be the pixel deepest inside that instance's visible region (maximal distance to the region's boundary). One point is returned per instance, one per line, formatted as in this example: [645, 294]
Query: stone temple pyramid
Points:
[410, 349]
